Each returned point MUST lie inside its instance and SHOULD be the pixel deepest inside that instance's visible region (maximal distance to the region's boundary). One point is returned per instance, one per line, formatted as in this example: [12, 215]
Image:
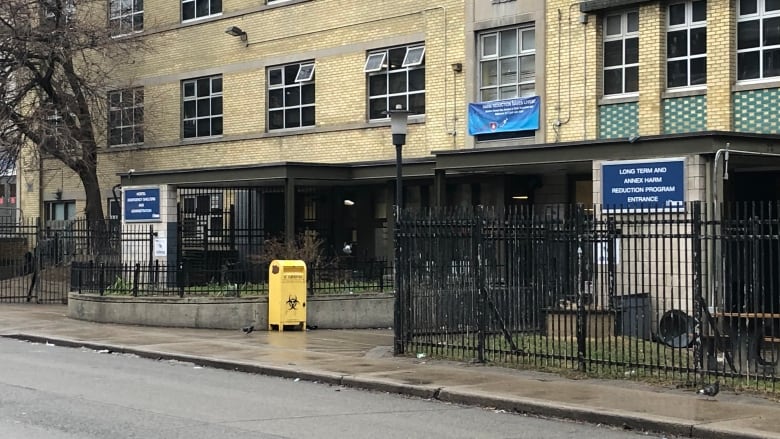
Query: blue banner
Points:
[643, 185]
[142, 204]
[520, 114]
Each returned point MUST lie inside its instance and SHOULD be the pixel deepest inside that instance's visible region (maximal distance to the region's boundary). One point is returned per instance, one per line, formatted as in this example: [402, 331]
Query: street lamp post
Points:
[398, 123]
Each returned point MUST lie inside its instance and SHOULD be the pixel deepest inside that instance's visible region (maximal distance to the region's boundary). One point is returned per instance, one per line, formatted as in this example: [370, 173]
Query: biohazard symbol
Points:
[292, 302]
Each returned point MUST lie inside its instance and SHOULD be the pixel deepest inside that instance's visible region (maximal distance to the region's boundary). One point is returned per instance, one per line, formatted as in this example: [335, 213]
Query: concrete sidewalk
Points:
[363, 358]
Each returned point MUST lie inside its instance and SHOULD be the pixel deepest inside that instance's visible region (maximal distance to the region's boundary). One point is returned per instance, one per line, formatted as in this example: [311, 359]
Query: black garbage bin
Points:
[634, 315]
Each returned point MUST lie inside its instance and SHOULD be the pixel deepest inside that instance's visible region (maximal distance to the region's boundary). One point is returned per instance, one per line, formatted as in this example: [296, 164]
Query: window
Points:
[202, 106]
[52, 11]
[686, 44]
[60, 210]
[758, 39]
[396, 76]
[114, 208]
[125, 16]
[507, 64]
[126, 117]
[621, 53]
[291, 96]
[193, 9]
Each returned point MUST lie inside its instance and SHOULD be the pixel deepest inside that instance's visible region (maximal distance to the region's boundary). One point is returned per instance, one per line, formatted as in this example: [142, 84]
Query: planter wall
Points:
[327, 312]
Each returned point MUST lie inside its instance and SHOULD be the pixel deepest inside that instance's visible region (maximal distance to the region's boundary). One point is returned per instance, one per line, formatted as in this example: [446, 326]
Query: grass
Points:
[614, 357]
[122, 287]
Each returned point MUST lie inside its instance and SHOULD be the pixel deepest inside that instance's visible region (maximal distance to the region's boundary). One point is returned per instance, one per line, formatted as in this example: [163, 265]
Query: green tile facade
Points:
[685, 115]
[618, 120]
[755, 111]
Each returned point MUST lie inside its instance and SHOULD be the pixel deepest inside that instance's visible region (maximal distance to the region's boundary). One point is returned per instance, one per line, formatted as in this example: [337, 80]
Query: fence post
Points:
[582, 318]
[180, 279]
[698, 299]
[476, 262]
[102, 278]
[136, 273]
[381, 277]
[311, 272]
[398, 311]
[611, 259]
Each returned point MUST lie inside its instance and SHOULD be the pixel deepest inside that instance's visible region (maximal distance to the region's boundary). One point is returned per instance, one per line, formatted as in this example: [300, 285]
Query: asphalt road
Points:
[56, 393]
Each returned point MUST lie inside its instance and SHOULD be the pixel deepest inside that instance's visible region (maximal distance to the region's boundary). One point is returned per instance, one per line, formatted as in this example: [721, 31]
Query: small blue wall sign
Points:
[142, 204]
[643, 185]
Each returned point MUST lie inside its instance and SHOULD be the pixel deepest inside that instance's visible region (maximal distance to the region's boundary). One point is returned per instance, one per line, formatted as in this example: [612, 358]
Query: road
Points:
[50, 392]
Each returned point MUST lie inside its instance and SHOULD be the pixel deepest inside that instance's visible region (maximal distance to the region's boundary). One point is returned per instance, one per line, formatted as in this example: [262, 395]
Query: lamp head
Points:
[398, 124]
[235, 31]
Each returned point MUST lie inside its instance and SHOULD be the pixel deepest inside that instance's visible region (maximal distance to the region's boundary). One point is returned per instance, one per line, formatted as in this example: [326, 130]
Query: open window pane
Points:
[305, 73]
[374, 62]
[414, 56]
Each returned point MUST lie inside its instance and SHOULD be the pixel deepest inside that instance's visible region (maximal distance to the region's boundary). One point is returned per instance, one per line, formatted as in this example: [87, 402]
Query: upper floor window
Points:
[621, 53]
[396, 76]
[686, 44]
[291, 96]
[202, 107]
[58, 12]
[192, 9]
[126, 16]
[758, 39]
[507, 64]
[126, 116]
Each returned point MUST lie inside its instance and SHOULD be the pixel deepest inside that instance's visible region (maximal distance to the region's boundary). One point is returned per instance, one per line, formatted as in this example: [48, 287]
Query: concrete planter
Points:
[327, 312]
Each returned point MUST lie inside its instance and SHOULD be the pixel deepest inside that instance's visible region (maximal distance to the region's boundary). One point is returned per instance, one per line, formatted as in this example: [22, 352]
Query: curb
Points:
[625, 420]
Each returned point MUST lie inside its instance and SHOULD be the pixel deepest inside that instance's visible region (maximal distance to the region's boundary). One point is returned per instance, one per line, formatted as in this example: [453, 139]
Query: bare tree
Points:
[58, 60]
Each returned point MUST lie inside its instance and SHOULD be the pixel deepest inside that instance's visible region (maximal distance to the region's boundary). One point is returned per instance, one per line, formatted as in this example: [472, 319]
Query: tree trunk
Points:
[96, 226]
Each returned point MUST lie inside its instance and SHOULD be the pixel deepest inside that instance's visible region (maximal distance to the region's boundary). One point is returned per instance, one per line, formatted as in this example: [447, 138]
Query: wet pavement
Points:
[363, 358]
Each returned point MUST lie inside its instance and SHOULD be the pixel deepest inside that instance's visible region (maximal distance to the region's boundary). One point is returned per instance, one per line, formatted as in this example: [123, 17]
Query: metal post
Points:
[400, 303]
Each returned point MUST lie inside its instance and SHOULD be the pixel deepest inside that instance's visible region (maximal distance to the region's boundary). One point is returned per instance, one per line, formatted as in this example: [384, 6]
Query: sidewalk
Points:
[363, 358]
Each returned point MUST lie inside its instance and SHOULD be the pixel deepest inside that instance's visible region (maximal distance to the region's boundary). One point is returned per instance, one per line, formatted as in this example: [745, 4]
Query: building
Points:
[259, 120]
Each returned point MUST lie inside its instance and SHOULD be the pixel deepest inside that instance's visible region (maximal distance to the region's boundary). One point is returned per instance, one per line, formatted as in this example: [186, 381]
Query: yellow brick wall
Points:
[721, 65]
[652, 67]
[336, 34]
[572, 82]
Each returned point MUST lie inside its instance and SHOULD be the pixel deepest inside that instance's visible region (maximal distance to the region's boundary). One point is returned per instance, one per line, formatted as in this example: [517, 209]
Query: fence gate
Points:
[37, 262]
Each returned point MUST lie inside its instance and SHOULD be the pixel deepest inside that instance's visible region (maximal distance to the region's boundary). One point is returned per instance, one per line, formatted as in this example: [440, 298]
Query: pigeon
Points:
[248, 329]
[710, 390]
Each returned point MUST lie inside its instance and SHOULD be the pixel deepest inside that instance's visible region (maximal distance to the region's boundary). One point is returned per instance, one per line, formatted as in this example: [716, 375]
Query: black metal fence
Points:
[670, 294]
[156, 279]
[44, 262]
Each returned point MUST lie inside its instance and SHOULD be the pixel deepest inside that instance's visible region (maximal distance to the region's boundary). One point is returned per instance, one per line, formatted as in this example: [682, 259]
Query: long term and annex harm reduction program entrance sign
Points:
[643, 185]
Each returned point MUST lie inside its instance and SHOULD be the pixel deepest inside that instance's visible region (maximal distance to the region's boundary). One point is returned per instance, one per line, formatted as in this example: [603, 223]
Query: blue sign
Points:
[520, 114]
[142, 204]
[643, 185]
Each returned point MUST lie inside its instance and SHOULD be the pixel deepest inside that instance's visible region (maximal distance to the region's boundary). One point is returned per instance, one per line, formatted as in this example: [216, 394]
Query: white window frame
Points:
[412, 59]
[211, 97]
[298, 85]
[392, 98]
[686, 26]
[305, 73]
[760, 15]
[118, 15]
[371, 65]
[624, 35]
[524, 86]
[195, 9]
[127, 115]
[68, 9]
